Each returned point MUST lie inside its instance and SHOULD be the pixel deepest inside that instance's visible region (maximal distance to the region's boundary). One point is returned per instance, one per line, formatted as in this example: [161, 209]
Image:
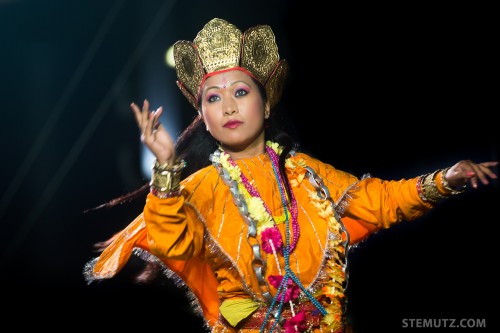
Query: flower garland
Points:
[256, 206]
[331, 294]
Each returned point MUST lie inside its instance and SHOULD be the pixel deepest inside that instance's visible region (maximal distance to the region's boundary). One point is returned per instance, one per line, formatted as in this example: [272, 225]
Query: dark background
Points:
[394, 91]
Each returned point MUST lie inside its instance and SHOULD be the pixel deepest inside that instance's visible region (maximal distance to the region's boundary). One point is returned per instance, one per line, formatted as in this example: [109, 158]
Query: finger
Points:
[481, 172]
[148, 129]
[489, 165]
[474, 173]
[137, 114]
[157, 123]
[487, 172]
[144, 116]
[152, 121]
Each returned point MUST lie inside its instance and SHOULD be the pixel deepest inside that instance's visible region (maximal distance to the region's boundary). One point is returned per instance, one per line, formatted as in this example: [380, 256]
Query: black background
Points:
[394, 91]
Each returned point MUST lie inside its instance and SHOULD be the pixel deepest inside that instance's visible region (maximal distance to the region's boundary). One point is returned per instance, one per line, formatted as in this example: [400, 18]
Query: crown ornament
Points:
[221, 46]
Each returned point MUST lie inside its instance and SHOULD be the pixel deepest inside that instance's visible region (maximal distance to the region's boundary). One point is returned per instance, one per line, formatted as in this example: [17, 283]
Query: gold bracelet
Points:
[164, 195]
[169, 167]
[166, 177]
[446, 185]
[429, 188]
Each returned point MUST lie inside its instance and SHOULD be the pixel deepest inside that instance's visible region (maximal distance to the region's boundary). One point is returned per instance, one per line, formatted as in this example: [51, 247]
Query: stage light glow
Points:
[169, 57]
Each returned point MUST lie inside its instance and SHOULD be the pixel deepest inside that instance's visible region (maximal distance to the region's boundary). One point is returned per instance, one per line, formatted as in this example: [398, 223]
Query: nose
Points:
[229, 106]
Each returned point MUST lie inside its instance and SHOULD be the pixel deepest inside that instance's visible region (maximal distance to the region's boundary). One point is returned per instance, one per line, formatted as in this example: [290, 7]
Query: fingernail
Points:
[470, 173]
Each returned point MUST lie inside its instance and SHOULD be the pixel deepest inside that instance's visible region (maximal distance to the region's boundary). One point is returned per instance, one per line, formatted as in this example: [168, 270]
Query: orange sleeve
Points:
[382, 203]
[173, 229]
[175, 233]
[358, 229]
[371, 204]
[194, 271]
[118, 252]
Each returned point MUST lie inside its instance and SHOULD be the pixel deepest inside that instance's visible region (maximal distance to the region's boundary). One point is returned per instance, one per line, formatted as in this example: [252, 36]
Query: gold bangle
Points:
[446, 185]
[429, 189]
[163, 195]
[176, 167]
[166, 177]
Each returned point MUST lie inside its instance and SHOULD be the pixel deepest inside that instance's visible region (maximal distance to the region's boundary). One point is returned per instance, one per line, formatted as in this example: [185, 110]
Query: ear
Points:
[267, 110]
[201, 116]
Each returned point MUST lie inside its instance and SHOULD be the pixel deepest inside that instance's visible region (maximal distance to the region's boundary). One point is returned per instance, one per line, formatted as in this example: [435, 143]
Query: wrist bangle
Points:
[162, 194]
[176, 167]
[166, 177]
[427, 188]
[446, 185]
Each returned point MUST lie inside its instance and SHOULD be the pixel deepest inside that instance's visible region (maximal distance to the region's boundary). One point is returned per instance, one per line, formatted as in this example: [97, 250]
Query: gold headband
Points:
[221, 46]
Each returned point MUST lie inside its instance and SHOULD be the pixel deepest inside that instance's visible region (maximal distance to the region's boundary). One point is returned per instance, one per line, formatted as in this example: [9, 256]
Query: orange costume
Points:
[259, 253]
[202, 238]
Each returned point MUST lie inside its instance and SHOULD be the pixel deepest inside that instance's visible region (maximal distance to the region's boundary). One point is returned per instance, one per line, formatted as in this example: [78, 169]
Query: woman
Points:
[258, 231]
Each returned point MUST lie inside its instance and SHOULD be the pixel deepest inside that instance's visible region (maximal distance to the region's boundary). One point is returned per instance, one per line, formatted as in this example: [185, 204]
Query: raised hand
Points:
[153, 133]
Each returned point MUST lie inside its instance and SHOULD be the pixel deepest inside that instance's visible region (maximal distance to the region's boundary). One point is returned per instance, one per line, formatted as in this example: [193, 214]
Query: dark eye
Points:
[213, 98]
[241, 92]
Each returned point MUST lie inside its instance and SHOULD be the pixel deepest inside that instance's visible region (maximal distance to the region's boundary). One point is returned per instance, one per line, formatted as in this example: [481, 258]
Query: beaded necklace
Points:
[259, 218]
[294, 210]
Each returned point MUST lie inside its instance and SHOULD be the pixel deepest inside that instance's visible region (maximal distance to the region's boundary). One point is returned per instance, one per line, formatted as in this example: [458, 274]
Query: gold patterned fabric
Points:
[221, 46]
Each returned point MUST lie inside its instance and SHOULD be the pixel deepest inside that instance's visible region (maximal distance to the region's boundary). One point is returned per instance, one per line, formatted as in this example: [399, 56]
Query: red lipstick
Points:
[233, 124]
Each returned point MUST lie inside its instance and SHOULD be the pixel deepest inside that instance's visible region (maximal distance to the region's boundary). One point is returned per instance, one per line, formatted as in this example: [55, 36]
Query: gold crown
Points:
[221, 46]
